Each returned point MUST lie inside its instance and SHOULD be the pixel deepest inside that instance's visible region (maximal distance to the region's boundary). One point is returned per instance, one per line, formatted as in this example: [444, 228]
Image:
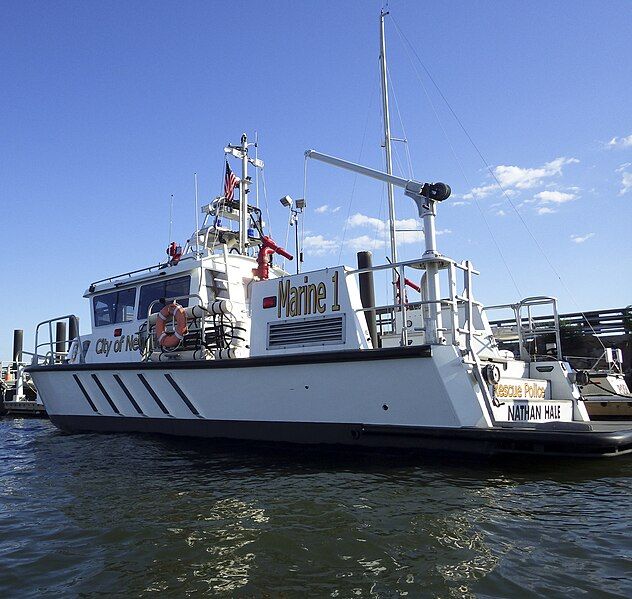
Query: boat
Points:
[600, 377]
[18, 396]
[218, 341]
[604, 388]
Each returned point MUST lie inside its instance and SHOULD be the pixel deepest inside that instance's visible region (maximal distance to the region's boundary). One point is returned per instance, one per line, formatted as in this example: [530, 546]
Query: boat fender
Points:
[491, 373]
[582, 378]
[228, 353]
[195, 311]
[176, 313]
[221, 306]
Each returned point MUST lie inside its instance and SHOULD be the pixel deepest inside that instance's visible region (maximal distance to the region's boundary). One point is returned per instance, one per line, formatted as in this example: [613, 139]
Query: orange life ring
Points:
[176, 312]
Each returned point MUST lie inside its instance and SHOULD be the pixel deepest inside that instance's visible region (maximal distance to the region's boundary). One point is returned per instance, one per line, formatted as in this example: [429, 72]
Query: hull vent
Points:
[306, 332]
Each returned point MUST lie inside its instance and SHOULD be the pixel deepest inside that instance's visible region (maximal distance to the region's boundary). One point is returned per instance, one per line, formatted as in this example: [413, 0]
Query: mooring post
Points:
[18, 342]
[367, 294]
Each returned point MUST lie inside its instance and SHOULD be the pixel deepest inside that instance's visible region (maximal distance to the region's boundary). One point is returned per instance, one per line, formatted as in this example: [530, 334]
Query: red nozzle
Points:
[412, 285]
[268, 247]
[268, 242]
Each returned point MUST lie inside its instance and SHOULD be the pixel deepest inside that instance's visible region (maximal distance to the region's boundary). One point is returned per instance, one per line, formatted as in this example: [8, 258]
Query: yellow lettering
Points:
[321, 296]
[284, 293]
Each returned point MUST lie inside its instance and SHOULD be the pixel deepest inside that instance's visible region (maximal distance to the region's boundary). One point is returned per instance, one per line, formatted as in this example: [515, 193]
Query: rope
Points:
[502, 189]
[454, 154]
[355, 178]
[401, 122]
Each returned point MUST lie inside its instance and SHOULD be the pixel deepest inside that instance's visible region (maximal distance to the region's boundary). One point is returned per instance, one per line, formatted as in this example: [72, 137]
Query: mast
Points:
[387, 151]
[243, 197]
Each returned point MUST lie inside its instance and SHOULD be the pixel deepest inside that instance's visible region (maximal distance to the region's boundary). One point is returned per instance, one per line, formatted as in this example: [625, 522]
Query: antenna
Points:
[387, 147]
[197, 211]
[257, 170]
[170, 218]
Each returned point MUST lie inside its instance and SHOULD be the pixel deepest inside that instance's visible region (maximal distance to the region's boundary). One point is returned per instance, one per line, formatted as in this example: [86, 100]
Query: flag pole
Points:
[243, 197]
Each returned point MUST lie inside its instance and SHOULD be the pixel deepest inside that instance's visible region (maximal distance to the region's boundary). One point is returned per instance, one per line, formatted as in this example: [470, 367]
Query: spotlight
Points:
[286, 201]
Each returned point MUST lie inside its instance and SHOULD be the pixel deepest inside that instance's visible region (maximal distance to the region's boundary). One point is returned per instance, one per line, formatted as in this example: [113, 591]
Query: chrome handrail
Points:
[53, 353]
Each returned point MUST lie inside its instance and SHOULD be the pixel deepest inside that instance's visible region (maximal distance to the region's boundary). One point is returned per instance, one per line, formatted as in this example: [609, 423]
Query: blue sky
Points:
[106, 109]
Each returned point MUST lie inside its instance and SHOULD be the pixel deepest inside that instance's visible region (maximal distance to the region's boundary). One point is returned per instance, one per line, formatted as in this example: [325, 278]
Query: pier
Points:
[18, 395]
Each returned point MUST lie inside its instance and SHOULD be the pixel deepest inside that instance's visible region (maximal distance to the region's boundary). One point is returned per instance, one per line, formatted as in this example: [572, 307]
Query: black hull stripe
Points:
[85, 393]
[353, 355]
[105, 394]
[129, 396]
[153, 394]
[466, 440]
[182, 395]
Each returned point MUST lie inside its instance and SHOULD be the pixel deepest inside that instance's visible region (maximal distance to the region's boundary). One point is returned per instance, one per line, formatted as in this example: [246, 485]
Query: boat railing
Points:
[525, 327]
[596, 363]
[432, 308]
[199, 329]
[58, 349]
[120, 279]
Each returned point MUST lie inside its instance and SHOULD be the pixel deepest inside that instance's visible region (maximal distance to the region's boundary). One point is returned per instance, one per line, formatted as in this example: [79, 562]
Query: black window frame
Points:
[116, 309]
[143, 305]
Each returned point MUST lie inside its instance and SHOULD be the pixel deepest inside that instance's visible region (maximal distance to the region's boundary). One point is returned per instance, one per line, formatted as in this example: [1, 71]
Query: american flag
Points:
[230, 182]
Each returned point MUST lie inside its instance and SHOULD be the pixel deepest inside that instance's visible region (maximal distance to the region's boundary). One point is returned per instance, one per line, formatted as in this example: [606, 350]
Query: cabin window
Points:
[114, 307]
[160, 290]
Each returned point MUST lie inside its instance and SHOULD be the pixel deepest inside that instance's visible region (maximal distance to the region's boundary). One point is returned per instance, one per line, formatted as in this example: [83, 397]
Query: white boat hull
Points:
[417, 398]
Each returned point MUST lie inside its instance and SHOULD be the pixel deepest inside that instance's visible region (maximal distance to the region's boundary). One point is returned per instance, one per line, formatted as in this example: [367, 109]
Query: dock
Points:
[18, 395]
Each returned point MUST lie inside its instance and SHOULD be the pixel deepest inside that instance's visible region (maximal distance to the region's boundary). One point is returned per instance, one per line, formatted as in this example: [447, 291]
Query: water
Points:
[82, 515]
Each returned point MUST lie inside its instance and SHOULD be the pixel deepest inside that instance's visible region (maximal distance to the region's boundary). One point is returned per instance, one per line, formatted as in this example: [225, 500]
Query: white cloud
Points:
[526, 178]
[317, 245]
[626, 183]
[365, 242]
[501, 213]
[362, 220]
[408, 230]
[554, 197]
[481, 192]
[581, 238]
[622, 167]
[545, 210]
[512, 179]
[620, 142]
[325, 208]
[409, 236]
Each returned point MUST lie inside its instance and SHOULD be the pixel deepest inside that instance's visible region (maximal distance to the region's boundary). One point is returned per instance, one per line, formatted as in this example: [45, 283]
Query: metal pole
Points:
[243, 197]
[296, 242]
[387, 149]
[256, 169]
[432, 272]
[197, 211]
[361, 170]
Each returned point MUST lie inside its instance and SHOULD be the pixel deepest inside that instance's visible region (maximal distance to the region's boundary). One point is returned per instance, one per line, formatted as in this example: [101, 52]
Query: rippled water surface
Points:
[82, 515]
